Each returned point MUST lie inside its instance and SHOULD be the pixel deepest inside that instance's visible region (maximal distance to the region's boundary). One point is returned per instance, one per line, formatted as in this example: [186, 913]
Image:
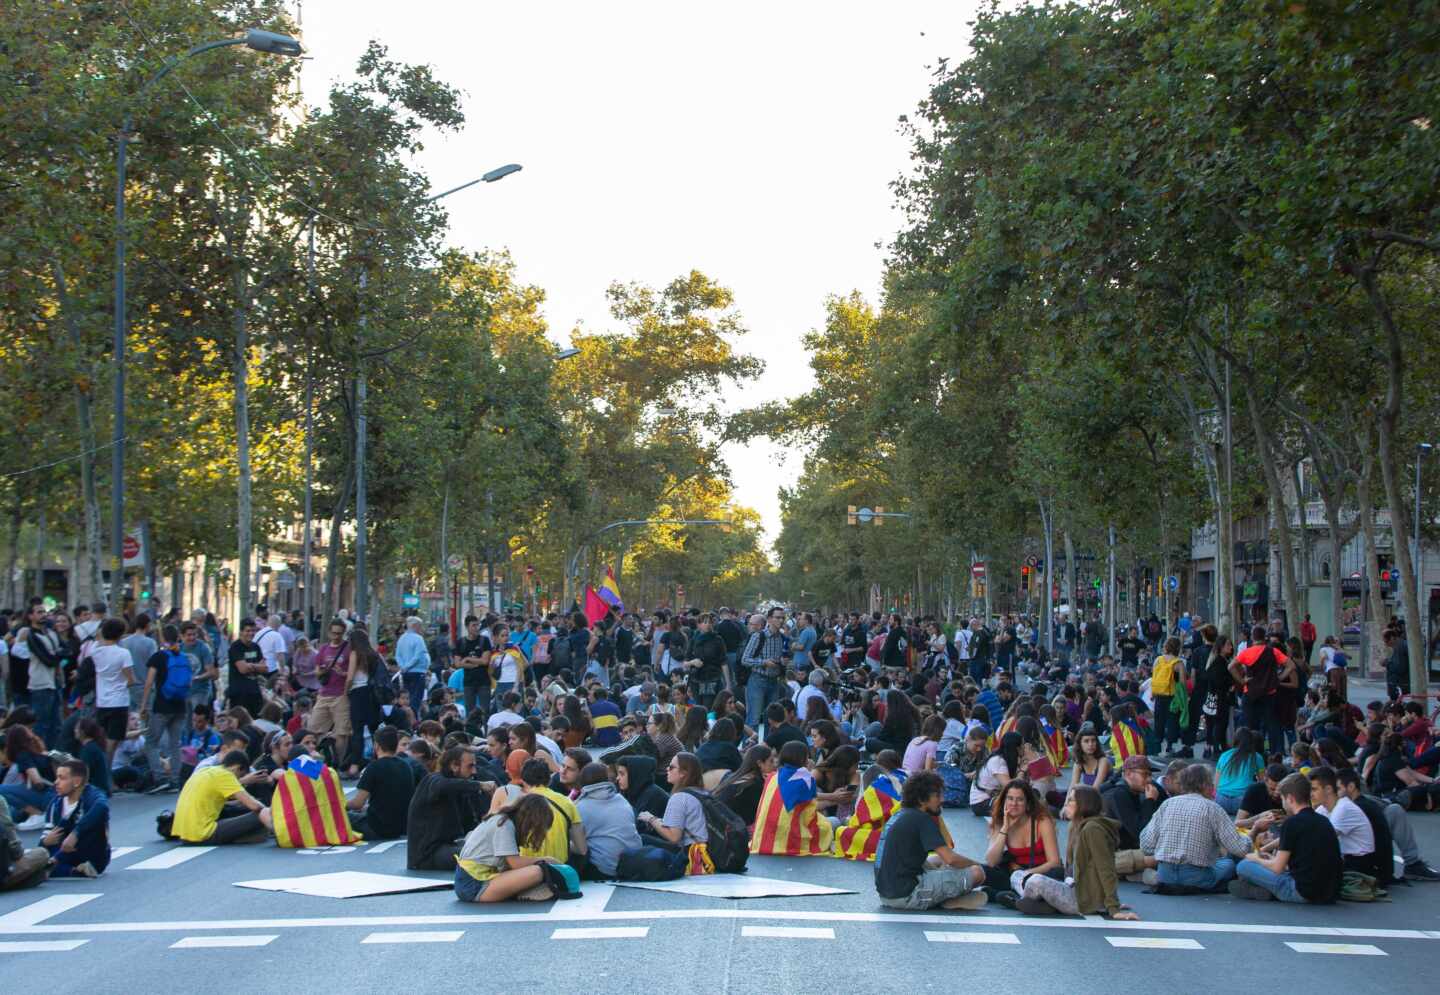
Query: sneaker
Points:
[1035, 907]
[1252, 892]
[1421, 871]
[539, 893]
[1007, 899]
[31, 825]
[86, 870]
[1150, 877]
[969, 902]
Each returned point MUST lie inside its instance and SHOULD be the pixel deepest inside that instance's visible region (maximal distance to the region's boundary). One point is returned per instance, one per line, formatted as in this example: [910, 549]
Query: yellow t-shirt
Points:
[198, 808]
[1162, 675]
[557, 839]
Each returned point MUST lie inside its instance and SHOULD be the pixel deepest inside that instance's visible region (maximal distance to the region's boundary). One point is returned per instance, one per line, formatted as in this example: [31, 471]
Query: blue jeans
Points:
[467, 889]
[22, 796]
[1190, 876]
[760, 691]
[1230, 803]
[415, 688]
[46, 703]
[1282, 886]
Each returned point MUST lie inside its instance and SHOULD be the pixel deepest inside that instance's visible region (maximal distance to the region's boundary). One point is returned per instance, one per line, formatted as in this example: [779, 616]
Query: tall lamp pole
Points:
[1422, 623]
[362, 599]
[261, 41]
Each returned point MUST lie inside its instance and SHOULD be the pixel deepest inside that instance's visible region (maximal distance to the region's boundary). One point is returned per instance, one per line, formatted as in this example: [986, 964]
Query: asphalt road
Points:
[150, 924]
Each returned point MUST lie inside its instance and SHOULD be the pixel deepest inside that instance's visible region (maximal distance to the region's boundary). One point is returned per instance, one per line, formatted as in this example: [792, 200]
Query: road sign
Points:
[455, 562]
[1172, 582]
[865, 515]
[410, 601]
[285, 580]
[1032, 561]
[977, 569]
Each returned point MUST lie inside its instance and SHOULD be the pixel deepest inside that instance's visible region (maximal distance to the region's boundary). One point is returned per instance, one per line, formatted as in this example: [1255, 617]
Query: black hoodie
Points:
[643, 794]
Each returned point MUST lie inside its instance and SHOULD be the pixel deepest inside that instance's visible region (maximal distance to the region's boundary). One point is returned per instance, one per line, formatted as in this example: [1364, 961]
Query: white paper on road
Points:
[736, 886]
[348, 884]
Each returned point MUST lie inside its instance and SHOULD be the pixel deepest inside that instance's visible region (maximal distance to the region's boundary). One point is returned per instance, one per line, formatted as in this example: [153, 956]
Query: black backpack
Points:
[729, 842]
[559, 654]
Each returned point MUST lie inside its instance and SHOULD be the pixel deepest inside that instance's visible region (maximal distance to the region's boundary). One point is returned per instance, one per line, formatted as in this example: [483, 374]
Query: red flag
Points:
[595, 608]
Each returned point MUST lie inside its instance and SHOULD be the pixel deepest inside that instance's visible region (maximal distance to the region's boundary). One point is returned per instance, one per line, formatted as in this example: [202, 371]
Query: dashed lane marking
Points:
[789, 932]
[382, 847]
[602, 933]
[1354, 949]
[429, 936]
[1154, 942]
[212, 942]
[40, 946]
[116, 852]
[37, 912]
[173, 857]
[948, 936]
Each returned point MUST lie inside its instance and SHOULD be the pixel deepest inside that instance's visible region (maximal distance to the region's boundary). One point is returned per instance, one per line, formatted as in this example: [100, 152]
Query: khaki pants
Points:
[1129, 862]
[331, 714]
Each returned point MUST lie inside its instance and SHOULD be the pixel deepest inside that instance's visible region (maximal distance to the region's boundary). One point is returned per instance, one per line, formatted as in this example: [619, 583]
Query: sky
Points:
[753, 141]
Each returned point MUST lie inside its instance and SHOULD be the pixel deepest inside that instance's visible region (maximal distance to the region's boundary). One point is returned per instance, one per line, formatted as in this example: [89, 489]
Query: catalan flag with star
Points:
[859, 838]
[788, 822]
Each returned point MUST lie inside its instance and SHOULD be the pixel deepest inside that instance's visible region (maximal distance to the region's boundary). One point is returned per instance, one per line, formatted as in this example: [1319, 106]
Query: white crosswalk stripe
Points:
[947, 936]
[173, 857]
[429, 936]
[40, 946]
[1154, 942]
[1354, 949]
[790, 932]
[213, 942]
[37, 912]
[602, 933]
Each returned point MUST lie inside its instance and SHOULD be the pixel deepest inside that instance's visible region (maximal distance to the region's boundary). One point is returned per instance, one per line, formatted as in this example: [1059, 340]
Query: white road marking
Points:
[116, 852]
[24, 927]
[208, 942]
[382, 847]
[592, 901]
[40, 946]
[173, 857]
[438, 936]
[602, 933]
[1154, 942]
[789, 932]
[327, 849]
[1355, 949]
[37, 912]
[946, 936]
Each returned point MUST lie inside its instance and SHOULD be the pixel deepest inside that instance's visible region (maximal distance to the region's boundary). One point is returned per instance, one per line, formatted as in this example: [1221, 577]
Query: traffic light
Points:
[1025, 578]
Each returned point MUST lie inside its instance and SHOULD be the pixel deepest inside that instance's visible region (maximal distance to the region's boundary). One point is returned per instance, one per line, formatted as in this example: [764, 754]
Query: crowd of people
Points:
[525, 755]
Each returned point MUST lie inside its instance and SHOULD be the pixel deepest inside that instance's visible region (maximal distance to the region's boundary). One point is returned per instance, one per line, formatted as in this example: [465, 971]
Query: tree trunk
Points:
[1303, 572]
[332, 549]
[1279, 515]
[12, 551]
[1376, 624]
[84, 382]
[1070, 573]
[1389, 431]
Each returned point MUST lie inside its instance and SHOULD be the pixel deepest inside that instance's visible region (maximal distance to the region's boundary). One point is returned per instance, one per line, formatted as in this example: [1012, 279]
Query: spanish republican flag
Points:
[859, 838]
[308, 809]
[610, 591]
[788, 822]
[1126, 740]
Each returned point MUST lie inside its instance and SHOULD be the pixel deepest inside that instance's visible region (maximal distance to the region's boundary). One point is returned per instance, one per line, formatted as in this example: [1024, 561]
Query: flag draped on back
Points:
[310, 811]
[1054, 744]
[859, 838]
[1006, 725]
[788, 822]
[1126, 740]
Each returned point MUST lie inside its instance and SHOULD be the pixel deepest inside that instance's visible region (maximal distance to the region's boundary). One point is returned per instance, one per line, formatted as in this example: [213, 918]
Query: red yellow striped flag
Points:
[781, 831]
[311, 811]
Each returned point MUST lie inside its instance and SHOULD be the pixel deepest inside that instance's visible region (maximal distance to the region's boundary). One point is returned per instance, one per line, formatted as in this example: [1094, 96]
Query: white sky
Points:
[754, 142]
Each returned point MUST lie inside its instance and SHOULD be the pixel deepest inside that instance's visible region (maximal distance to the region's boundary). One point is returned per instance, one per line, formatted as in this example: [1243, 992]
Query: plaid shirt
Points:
[763, 647]
[1192, 829]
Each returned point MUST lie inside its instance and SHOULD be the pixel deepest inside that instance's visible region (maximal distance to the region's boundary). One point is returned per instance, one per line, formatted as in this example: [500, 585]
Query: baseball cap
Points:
[1136, 762]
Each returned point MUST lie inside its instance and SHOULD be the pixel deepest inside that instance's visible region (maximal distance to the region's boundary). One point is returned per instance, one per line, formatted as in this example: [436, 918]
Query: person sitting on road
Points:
[998, 771]
[683, 825]
[1194, 843]
[788, 822]
[607, 821]
[1391, 826]
[1260, 797]
[19, 867]
[1132, 803]
[489, 865]
[211, 807]
[79, 843]
[383, 792]
[566, 837]
[1358, 848]
[907, 876]
[742, 788]
[635, 777]
[446, 805]
[1090, 855]
[1022, 836]
[28, 786]
[1306, 865]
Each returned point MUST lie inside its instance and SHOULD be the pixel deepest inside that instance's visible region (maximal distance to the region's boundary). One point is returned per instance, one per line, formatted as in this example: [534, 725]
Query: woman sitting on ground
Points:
[997, 772]
[1236, 770]
[838, 777]
[683, 825]
[1395, 779]
[661, 728]
[921, 752]
[1022, 836]
[742, 787]
[718, 752]
[1090, 856]
[824, 737]
[490, 868]
[692, 731]
[1092, 763]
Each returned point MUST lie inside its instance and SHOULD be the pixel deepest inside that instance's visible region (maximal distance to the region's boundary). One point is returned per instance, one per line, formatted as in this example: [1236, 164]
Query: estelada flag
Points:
[788, 822]
[860, 836]
[1126, 740]
[1006, 725]
[1054, 744]
[310, 811]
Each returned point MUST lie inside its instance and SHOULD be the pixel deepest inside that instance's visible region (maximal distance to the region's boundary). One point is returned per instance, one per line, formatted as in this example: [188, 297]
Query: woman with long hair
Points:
[824, 737]
[838, 776]
[95, 751]
[683, 826]
[31, 775]
[489, 867]
[741, 789]
[1236, 770]
[366, 669]
[693, 728]
[1022, 836]
[719, 751]
[579, 719]
[661, 729]
[899, 726]
[1002, 767]
[1091, 882]
[1092, 763]
[1219, 694]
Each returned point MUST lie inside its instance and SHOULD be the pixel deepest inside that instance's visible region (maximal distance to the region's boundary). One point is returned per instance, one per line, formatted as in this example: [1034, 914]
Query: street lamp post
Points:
[261, 41]
[1422, 623]
[362, 600]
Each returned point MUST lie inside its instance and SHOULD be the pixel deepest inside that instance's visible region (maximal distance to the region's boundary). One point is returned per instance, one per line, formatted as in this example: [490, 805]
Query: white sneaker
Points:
[31, 825]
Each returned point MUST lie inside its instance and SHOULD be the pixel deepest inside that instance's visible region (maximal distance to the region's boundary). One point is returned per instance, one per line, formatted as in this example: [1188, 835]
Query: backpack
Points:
[1358, 887]
[560, 653]
[179, 675]
[729, 842]
[542, 648]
